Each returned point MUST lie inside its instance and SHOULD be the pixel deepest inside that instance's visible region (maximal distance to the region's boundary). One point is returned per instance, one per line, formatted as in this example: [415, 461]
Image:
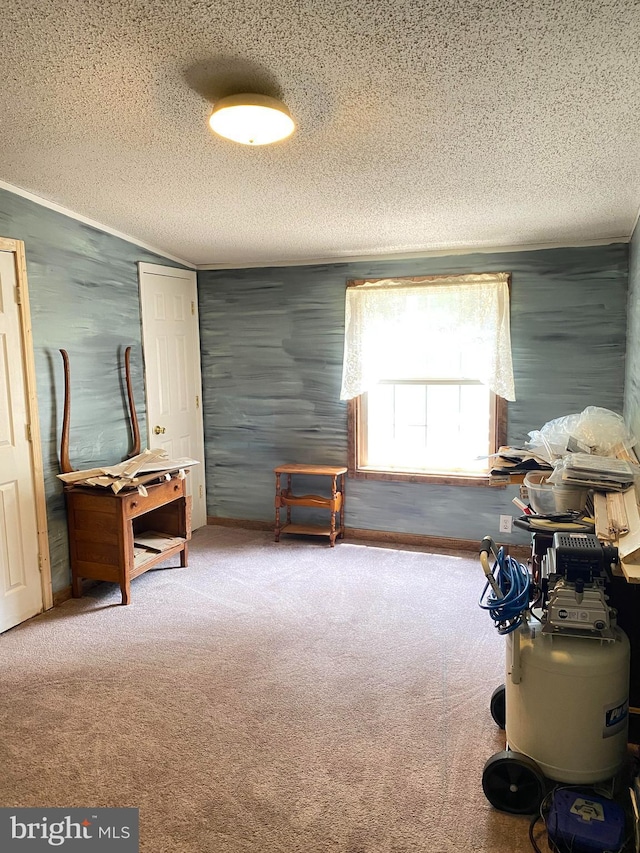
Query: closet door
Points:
[171, 343]
[21, 591]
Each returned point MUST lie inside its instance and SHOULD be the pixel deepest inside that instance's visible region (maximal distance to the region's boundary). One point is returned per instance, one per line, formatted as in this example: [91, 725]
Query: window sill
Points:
[437, 479]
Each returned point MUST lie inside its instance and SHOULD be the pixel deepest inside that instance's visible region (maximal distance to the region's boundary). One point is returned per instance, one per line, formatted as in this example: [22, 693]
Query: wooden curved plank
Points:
[65, 464]
[135, 429]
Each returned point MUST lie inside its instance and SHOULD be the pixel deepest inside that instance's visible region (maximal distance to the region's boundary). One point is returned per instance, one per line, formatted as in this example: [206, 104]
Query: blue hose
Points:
[514, 582]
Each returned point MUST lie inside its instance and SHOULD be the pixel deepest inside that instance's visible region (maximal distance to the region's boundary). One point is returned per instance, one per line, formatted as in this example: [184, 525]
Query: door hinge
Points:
[29, 433]
[201, 492]
[193, 308]
[40, 562]
[18, 296]
[197, 401]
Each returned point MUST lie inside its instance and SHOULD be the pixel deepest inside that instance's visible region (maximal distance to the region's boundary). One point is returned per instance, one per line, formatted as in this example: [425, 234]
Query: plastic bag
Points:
[595, 430]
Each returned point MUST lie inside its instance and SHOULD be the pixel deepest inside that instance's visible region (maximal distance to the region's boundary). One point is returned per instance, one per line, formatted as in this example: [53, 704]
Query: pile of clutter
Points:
[138, 472]
[581, 473]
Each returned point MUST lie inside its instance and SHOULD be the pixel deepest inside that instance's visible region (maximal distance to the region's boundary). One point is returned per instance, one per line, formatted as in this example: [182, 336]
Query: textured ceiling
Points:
[422, 124]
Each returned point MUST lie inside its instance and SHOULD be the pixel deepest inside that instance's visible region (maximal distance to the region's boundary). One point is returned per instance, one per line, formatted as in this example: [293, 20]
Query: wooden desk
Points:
[333, 503]
[102, 528]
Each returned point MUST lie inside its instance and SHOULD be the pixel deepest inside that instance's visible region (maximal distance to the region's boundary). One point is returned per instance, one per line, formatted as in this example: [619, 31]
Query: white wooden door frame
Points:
[17, 248]
[188, 275]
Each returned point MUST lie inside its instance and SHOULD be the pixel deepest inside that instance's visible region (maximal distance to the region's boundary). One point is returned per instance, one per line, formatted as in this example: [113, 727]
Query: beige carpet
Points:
[269, 697]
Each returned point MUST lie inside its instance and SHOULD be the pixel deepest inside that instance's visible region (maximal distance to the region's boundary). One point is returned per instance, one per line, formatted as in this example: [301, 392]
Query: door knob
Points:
[158, 430]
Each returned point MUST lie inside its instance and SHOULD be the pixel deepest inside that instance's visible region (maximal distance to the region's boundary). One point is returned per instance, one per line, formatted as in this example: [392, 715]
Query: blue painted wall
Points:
[83, 287]
[272, 343]
[272, 357]
[632, 384]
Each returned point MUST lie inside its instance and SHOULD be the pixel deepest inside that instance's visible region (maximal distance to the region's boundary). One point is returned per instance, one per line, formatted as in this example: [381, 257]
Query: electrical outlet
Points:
[505, 523]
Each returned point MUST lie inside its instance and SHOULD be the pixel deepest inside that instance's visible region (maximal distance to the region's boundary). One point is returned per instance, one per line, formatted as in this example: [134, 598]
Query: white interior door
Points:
[20, 580]
[171, 341]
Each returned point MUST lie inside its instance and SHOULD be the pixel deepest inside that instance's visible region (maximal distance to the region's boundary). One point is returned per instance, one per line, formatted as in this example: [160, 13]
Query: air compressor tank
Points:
[567, 702]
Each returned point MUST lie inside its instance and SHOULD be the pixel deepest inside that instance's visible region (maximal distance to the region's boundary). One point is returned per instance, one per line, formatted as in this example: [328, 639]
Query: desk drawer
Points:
[135, 504]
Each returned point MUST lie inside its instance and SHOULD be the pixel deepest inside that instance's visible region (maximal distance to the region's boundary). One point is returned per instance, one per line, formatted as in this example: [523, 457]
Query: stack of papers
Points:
[150, 543]
[514, 460]
[597, 472]
[148, 467]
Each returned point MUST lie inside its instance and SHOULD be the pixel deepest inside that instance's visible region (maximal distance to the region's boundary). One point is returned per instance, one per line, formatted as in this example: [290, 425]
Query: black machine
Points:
[576, 572]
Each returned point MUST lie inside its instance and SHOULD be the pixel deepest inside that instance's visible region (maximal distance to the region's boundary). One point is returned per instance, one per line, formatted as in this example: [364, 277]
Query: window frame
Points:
[356, 439]
[355, 430]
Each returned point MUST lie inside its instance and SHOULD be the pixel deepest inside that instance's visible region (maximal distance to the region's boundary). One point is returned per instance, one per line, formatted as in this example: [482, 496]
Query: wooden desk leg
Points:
[342, 507]
[76, 586]
[125, 589]
[277, 529]
[184, 555]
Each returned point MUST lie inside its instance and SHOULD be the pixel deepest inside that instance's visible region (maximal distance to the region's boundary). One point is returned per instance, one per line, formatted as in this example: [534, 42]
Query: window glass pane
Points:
[410, 411]
[380, 422]
[475, 420]
[429, 427]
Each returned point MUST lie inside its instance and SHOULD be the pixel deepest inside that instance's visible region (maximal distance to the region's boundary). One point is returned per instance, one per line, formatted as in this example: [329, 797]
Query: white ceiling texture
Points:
[422, 124]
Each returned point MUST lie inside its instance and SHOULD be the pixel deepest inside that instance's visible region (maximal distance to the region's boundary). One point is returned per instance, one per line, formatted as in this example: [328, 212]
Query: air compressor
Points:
[564, 703]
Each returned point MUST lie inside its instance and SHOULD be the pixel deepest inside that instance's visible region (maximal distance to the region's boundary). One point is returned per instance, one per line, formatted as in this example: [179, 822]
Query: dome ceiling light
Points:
[251, 119]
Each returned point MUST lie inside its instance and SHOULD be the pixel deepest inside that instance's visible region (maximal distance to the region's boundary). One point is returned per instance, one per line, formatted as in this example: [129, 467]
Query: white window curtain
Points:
[433, 328]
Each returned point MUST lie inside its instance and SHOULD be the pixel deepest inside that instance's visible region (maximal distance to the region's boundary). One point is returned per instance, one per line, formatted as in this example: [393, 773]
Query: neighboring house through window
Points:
[427, 370]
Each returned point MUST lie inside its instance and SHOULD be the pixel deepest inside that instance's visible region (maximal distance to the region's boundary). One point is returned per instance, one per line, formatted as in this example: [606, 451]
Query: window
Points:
[427, 369]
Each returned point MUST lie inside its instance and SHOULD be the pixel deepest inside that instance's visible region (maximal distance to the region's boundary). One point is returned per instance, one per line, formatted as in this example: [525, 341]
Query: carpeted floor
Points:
[269, 697]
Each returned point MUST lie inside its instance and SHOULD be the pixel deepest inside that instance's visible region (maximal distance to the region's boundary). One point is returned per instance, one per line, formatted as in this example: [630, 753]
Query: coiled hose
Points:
[506, 593]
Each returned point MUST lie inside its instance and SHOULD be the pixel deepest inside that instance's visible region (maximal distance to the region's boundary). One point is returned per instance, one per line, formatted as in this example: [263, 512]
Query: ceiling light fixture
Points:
[251, 119]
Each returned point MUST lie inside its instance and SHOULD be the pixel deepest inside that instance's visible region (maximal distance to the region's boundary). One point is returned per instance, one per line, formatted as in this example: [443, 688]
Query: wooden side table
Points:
[103, 526]
[333, 503]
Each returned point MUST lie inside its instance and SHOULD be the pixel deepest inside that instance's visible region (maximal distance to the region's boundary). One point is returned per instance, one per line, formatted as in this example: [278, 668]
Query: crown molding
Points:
[58, 208]
[337, 259]
[635, 224]
[433, 253]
